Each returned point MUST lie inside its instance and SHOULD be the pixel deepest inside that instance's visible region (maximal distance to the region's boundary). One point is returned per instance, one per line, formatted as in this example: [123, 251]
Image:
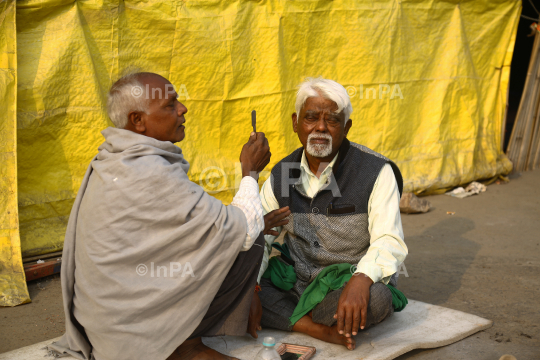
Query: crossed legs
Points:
[278, 306]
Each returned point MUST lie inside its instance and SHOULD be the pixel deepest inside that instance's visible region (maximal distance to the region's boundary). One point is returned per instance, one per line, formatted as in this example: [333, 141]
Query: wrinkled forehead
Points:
[318, 104]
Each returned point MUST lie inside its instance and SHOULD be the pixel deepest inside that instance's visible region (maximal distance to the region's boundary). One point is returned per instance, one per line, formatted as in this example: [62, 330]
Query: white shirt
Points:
[387, 249]
[247, 199]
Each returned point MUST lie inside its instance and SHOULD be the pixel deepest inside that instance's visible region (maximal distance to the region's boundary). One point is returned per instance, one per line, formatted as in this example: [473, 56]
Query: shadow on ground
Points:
[440, 252]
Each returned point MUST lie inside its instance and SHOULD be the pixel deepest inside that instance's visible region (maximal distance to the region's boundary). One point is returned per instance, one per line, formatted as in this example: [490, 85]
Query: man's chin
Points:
[318, 151]
[319, 155]
[178, 138]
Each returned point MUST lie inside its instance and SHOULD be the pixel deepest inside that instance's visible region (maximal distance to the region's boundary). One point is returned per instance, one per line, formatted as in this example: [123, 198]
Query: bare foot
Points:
[322, 332]
[336, 338]
[194, 349]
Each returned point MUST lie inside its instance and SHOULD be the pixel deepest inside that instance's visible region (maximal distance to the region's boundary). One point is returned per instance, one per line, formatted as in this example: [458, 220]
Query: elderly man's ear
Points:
[136, 122]
[348, 125]
[295, 122]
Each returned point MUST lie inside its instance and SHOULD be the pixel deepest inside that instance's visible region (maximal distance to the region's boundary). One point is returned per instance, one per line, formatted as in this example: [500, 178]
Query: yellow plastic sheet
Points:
[428, 82]
[13, 289]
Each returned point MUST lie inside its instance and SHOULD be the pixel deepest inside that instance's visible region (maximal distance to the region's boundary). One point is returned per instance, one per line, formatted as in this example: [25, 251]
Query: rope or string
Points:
[534, 7]
[529, 18]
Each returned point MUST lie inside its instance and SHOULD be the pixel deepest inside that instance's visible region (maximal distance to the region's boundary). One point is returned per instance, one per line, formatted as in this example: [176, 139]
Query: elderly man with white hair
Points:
[344, 204]
[151, 262]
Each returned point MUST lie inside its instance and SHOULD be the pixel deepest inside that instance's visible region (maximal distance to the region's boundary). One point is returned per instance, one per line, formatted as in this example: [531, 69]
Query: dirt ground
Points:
[484, 260]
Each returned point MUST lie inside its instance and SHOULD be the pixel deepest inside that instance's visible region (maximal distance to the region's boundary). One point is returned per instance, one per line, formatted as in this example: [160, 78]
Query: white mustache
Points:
[319, 137]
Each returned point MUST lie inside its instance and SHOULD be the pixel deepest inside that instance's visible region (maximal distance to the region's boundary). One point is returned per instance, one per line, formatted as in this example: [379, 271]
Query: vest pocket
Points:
[340, 209]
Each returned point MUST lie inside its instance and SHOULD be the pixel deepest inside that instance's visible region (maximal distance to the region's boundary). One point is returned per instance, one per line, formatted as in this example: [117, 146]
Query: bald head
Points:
[129, 94]
[146, 103]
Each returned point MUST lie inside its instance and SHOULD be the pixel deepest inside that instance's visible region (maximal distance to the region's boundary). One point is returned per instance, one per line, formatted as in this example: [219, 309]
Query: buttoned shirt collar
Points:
[309, 181]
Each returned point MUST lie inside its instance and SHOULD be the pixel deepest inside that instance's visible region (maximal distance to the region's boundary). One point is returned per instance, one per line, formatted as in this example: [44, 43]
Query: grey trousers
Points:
[229, 311]
[278, 305]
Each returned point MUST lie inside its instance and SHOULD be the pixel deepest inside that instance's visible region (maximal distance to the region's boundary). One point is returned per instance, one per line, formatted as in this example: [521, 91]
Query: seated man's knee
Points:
[278, 306]
[380, 303]
[324, 312]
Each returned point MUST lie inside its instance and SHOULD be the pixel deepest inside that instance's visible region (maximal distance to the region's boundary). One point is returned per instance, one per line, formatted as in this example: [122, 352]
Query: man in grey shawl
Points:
[151, 262]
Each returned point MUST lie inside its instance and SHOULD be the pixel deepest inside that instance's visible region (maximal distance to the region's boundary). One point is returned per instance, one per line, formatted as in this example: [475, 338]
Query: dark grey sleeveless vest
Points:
[332, 227]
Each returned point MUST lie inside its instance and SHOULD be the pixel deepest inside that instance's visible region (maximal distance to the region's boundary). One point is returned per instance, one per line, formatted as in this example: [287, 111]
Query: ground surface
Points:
[484, 260]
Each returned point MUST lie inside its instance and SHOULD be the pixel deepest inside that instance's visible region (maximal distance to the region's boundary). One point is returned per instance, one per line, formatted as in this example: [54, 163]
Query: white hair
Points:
[329, 89]
[126, 95]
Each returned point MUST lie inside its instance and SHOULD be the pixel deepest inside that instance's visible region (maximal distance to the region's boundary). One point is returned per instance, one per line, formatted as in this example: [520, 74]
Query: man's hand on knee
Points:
[353, 305]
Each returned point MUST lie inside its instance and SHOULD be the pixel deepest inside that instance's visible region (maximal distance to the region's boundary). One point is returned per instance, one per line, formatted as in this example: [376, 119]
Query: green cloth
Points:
[283, 249]
[399, 301]
[330, 278]
[282, 275]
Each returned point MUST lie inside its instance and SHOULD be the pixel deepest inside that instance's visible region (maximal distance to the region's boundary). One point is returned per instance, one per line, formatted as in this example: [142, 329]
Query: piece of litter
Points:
[115, 179]
[450, 213]
[476, 187]
[473, 189]
[40, 261]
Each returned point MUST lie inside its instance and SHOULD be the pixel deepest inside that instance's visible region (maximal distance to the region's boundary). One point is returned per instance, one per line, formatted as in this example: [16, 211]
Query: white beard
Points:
[319, 150]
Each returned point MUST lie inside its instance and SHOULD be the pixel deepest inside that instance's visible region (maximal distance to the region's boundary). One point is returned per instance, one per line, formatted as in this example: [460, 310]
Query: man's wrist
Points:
[254, 175]
[361, 277]
[373, 271]
[248, 172]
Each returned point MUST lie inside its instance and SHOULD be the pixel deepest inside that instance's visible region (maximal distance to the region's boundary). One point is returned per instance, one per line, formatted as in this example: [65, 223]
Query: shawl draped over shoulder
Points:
[145, 252]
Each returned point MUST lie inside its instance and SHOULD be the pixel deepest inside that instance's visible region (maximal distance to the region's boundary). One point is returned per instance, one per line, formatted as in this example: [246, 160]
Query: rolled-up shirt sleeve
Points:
[247, 199]
[387, 248]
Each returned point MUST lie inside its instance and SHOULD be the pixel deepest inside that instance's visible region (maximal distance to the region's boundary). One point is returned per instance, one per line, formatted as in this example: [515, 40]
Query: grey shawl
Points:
[137, 209]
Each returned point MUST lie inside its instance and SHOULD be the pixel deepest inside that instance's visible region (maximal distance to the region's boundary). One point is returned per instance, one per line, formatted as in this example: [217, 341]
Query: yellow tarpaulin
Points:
[428, 82]
[13, 289]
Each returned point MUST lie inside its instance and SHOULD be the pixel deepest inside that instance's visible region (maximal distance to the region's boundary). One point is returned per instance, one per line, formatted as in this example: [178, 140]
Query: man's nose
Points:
[321, 124]
[182, 109]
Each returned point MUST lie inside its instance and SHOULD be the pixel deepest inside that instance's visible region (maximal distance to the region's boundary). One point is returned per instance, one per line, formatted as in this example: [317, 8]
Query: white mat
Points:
[419, 326]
